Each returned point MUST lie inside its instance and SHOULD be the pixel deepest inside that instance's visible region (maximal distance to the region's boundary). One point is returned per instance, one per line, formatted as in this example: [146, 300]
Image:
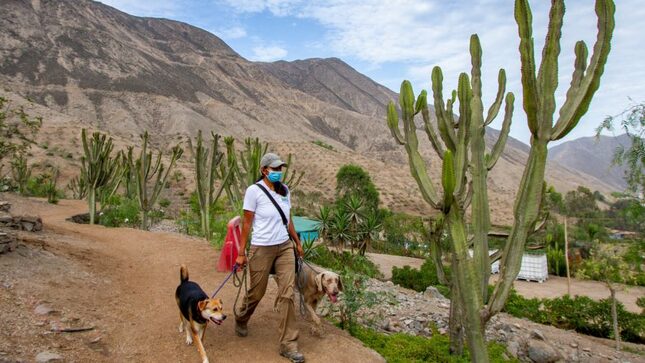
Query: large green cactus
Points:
[539, 106]
[207, 162]
[146, 170]
[98, 167]
[460, 143]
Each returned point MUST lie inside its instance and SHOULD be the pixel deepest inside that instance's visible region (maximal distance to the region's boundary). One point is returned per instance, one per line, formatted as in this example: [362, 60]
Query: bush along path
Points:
[395, 310]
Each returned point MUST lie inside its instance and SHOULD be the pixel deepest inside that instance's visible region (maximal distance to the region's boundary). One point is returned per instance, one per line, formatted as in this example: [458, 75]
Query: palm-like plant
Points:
[340, 231]
[369, 231]
[355, 209]
[325, 216]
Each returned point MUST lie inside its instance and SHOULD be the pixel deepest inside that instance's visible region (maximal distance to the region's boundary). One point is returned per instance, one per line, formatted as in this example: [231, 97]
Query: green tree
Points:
[353, 180]
[17, 130]
[581, 203]
[632, 122]
[608, 267]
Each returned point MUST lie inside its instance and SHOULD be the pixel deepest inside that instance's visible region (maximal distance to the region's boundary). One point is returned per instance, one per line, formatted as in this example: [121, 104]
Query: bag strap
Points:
[284, 218]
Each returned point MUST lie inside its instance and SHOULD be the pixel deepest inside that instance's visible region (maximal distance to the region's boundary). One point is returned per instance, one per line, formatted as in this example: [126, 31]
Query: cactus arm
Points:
[524, 20]
[547, 79]
[393, 123]
[432, 135]
[577, 102]
[465, 95]
[444, 119]
[492, 158]
[416, 162]
[448, 179]
[501, 89]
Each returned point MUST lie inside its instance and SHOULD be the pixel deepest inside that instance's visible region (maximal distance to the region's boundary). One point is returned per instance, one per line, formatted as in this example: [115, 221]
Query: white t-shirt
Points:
[268, 229]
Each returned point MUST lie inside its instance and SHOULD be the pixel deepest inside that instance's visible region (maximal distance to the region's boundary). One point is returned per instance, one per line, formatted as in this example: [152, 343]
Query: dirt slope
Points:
[122, 281]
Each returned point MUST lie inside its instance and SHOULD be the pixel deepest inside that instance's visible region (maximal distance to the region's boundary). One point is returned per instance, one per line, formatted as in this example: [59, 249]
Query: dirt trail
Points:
[122, 281]
[553, 287]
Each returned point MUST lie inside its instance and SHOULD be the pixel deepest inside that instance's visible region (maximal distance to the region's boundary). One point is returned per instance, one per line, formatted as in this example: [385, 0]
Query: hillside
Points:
[593, 157]
[85, 64]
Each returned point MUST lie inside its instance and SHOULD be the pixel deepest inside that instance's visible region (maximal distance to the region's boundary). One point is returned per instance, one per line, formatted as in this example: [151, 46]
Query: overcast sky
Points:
[390, 41]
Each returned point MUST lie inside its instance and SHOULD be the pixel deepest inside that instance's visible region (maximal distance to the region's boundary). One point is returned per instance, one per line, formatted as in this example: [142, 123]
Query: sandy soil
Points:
[122, 282]
[555, 286]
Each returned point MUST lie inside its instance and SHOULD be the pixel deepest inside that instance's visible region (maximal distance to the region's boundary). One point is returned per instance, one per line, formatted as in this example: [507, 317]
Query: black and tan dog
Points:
[195, 311]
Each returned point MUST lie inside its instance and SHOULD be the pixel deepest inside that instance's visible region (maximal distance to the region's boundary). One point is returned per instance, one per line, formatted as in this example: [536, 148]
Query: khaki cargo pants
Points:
[261, 259]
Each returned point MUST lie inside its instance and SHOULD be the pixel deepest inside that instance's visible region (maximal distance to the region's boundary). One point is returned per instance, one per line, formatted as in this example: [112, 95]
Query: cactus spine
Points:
[145, 171]
[207, 162]
[98, 167]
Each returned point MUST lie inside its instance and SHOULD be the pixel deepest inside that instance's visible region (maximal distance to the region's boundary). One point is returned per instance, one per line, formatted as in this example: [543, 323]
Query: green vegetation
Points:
[340, 261]
[119, 212]
[420, 279]
[406, 348]
[101, 172]
[149, 176]
[579, 313]
[323, 145]
[354, 181]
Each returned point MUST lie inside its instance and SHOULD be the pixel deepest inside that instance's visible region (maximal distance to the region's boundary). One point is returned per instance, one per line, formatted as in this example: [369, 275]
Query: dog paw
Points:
[189, 341]
[181, 327]
[205, 360]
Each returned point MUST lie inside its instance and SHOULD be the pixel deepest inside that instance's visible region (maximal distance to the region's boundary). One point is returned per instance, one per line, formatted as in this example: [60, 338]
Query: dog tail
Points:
[183, 273]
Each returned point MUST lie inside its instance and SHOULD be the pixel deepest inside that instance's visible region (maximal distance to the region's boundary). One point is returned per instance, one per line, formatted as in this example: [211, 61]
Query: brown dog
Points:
[314, 286]
[195, 311]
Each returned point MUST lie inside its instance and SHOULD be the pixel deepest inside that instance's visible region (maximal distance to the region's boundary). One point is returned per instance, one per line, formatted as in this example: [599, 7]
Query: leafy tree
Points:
[17, 129]
[607, 266]
[632, 121]
[581, 203]
[354, 180]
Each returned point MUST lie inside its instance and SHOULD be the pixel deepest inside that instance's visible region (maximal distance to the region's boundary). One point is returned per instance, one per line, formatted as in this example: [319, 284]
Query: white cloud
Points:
[268, 53]
[235, 32]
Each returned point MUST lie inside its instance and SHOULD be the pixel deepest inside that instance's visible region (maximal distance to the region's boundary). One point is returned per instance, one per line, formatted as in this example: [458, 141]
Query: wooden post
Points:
[566, 257]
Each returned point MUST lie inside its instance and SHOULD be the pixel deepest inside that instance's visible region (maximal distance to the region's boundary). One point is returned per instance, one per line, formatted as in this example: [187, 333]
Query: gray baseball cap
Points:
[271, 160]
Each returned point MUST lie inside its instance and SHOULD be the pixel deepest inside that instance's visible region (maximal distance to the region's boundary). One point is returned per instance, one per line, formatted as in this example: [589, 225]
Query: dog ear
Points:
[202, 304]
[340, 283]
[318, 279]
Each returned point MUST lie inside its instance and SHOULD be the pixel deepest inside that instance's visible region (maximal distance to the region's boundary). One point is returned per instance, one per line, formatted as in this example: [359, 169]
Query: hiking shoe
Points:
[240, 329]
[293, 355]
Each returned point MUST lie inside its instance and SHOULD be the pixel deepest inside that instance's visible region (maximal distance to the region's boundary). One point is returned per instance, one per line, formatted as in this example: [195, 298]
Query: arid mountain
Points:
[593, 157]
[85, 64]
[333, 81]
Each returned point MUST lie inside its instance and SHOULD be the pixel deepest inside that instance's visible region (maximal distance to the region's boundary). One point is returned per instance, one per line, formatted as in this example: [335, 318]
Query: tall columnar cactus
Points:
[460, 143]
[539, 106]
[248, 173]
[98, 167]
[291, 177]
[21, 172]
[146, 171]
[78, 187]
[207, 162]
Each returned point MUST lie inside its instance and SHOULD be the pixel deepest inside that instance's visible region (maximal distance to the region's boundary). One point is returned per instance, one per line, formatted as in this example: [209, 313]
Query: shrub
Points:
[323, 145]
[415, 279]
[120, 211]
[345, 261]
[164, 203]
[579, 313]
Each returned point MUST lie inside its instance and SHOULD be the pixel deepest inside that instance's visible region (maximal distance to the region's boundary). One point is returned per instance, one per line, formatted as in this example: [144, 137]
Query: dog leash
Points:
[226, 279]
[239, 282]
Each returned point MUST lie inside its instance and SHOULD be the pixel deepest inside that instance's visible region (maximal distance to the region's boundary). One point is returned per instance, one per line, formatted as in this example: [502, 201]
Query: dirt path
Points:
[555, 286]
[122, 282]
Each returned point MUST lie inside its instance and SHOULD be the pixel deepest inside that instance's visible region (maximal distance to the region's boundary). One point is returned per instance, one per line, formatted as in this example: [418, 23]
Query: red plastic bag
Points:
[231, 247]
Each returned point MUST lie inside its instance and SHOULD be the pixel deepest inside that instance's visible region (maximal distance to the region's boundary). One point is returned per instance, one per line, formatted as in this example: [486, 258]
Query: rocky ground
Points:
[402, 310]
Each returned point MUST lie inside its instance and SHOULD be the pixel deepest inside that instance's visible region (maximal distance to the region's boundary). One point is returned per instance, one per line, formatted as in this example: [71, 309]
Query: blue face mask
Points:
[274, 176]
